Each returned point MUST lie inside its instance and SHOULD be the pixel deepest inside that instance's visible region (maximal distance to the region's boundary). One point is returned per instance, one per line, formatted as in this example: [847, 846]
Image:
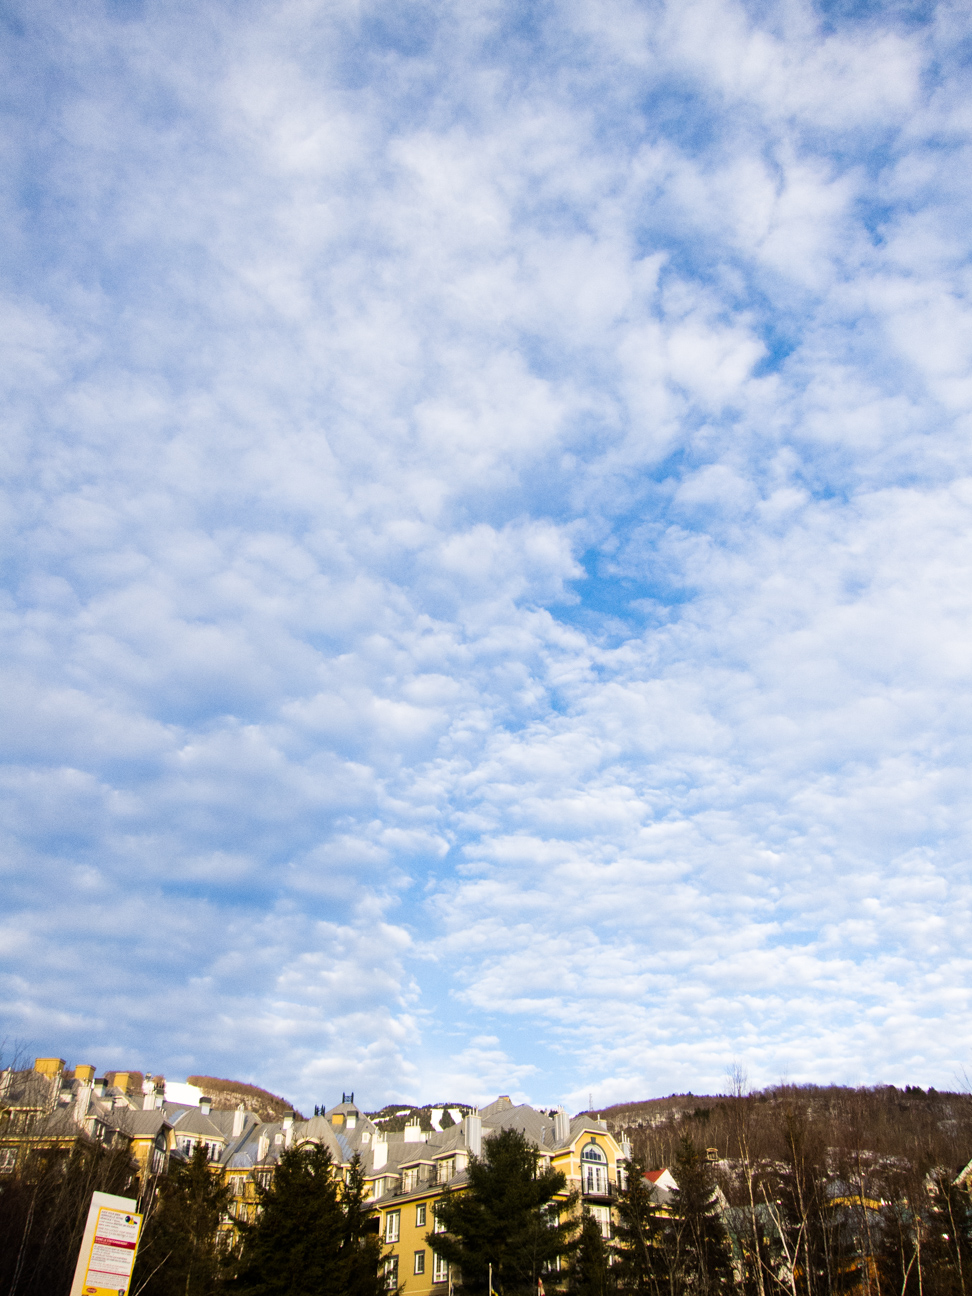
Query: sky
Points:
[487, 495]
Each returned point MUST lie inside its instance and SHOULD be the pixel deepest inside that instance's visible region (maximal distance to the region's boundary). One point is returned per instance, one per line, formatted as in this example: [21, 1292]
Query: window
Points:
[408, 1181]
[594, 1178]
[445, 1170]
[8, 1160]
[437, 1225]
[392, 1222]
[420, 1215]
[391, 1273]
[602, 1215]
[440, 1269]
[419, 1262]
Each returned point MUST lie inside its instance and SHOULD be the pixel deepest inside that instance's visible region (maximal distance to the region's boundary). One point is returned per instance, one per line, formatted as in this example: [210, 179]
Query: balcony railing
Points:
[598, 1186]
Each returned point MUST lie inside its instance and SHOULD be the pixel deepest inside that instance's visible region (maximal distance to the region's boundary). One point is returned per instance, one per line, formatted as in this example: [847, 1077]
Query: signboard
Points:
[108, 1248]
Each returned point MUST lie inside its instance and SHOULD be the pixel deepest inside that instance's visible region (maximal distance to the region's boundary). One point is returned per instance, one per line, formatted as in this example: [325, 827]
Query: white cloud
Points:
[484, 600]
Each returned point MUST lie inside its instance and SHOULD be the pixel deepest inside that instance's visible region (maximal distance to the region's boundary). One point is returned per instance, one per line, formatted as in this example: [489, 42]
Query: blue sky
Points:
[486, 543]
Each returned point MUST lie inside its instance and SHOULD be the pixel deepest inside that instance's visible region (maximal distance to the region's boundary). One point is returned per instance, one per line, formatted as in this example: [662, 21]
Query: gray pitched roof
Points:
[320, 1130]
[445, 1141]
[59, 1124]
[246, 1154]
[194, 1122]
[535, 1125]
[495, 1108]
[26, 1089]
[137, 1124]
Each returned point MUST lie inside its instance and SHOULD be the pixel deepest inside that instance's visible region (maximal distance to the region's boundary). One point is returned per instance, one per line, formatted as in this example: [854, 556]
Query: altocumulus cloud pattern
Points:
[486, 590]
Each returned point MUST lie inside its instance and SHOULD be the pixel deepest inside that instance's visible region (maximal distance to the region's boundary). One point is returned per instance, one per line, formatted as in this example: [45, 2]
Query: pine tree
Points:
[590, 1272]
[295, 1245]
[698, 1244]
[180, 1254]
[641, 1259]
[362, 1248]
[508, 1217]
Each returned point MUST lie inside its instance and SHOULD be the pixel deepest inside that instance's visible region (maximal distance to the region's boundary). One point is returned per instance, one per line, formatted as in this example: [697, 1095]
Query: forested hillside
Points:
[924, 1128]
[228, 1094]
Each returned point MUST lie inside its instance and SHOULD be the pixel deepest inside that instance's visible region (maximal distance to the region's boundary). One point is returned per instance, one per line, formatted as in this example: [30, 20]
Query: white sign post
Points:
[108, 1248]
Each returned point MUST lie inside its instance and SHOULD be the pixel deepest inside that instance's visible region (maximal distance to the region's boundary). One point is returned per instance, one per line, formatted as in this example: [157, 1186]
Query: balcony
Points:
[598, 1187]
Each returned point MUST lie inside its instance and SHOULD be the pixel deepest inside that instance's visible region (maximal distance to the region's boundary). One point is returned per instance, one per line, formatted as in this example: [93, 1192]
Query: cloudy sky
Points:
[486, 597]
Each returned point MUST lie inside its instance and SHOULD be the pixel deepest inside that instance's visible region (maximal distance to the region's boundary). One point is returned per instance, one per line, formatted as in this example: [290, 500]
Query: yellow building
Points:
[589, 1156]
[407, 1171]
[49, 1107]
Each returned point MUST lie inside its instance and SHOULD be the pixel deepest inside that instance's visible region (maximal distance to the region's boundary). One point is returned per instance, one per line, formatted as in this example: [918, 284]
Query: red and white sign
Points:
[108, 1248]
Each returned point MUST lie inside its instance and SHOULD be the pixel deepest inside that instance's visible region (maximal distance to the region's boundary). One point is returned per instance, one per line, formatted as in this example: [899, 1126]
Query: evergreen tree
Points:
[508, 1218]
[446, 1120]
[362, 1247]
[698, 1244]
[590, 1271]
[295, 1245]
[641, 1258]
[180, 1254]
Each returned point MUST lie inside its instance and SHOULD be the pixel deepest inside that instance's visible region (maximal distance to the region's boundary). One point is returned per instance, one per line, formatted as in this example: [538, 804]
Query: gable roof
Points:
[137, 1124]
[194, 1121]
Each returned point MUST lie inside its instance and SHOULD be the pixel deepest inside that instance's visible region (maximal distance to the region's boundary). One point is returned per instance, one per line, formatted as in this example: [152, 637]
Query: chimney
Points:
[288, 1128]
[381, 1150]
[263, 1147]
[472, 1130]
[205, 1105]
[49, 1066]
[625, 1148]
[561, 1126]
[351, 1120]
[84, 1073]
[413, 1132]
[239, 1120]
[99, 1087]
[83, 1099]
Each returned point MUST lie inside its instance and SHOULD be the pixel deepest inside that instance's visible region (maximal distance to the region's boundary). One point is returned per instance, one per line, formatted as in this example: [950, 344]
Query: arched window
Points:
[594, 1179]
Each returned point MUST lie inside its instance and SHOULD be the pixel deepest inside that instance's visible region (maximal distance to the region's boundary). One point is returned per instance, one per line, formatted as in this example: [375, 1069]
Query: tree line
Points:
[829, 1190]
[790, 1192]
